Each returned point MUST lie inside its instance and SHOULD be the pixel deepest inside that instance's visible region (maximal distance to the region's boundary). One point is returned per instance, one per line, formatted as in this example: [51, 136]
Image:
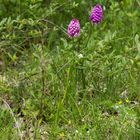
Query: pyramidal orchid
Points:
[96, 14]
[73, 28]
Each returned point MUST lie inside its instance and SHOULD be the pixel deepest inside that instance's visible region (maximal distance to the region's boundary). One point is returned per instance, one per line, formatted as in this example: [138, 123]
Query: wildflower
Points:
[120, 102]
[76, 131]
[80, 56]
[69, 122]
[127, 101]
[96, 14]
[74, 28]
[62, 134]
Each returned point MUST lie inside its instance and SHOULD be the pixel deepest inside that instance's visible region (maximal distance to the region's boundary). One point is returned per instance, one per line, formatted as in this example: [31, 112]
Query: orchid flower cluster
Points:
[95, 17]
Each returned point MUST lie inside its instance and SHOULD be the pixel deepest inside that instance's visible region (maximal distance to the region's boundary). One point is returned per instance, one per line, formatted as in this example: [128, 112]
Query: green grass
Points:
[53, 87]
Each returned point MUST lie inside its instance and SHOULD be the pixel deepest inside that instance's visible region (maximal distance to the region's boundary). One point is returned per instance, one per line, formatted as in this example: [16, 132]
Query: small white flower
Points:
[79, 103]
[83, 120]
[80, 55]
[76, 131]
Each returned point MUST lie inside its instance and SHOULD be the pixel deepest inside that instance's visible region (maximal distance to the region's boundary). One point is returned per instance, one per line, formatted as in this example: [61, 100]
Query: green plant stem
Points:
[77, 69]
[42, 78]
[43, 92]
[15, 120]
[83, 77]
[82, 63]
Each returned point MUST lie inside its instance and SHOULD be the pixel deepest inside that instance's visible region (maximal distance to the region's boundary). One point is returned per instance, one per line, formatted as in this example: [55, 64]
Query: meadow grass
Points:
[57, 88]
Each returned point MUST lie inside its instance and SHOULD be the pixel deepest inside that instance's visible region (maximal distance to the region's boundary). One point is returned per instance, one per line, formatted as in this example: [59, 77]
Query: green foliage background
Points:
[54, 87]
